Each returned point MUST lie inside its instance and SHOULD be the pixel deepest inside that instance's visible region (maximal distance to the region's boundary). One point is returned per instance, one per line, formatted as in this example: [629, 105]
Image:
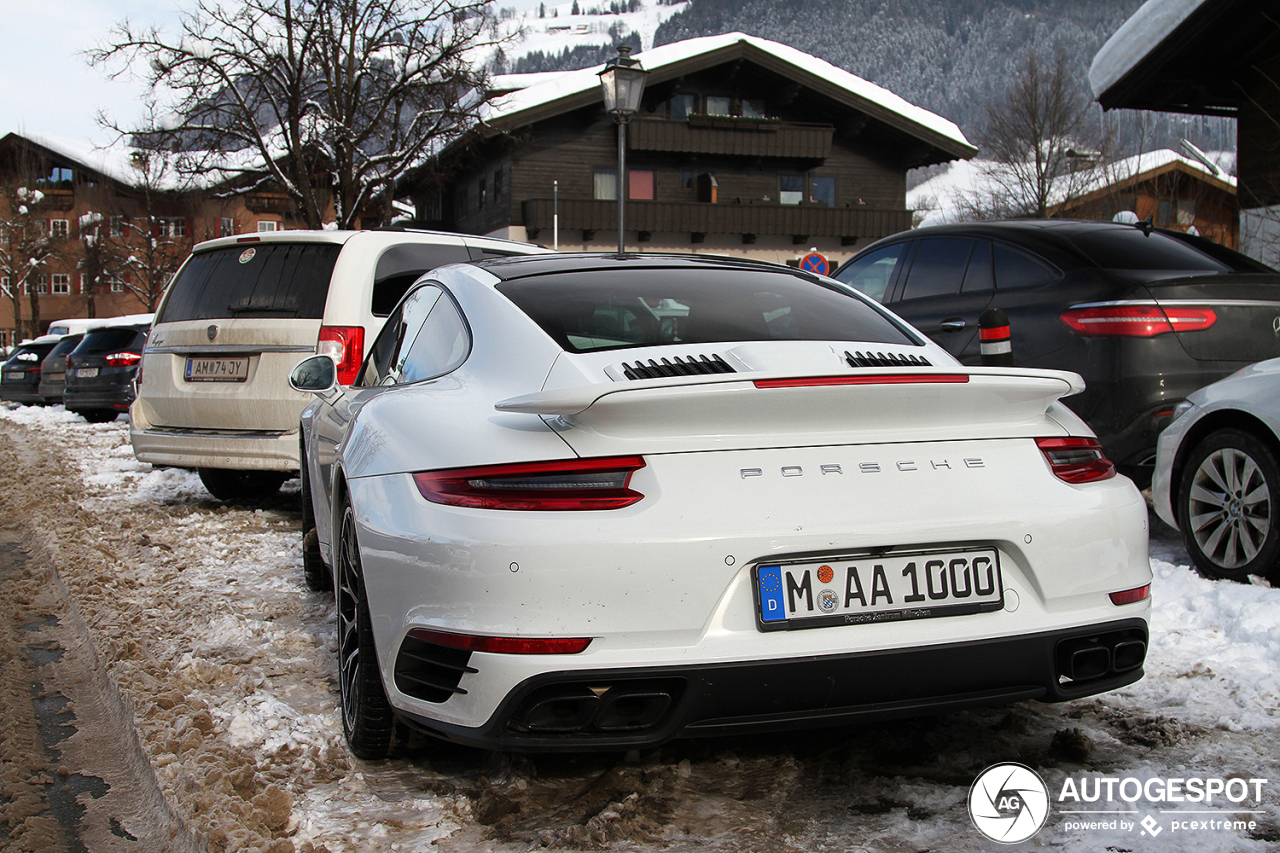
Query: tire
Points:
[99, 416]
[1229, 506]
[367, 720]
[249, 486]
[314, 571]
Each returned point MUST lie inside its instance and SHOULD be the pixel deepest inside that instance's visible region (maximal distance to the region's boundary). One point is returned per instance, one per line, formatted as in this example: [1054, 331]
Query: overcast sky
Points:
[46, 85]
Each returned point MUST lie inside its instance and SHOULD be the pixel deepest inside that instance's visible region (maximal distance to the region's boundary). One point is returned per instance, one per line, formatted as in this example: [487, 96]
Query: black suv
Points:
[101, 369]
[1145, 315]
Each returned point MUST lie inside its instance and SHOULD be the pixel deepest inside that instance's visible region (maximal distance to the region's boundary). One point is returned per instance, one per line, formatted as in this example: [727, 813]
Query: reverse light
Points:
[866, 379]
[1129, 596]
[504, 645]
[1137, 321]
[1076, 459]
[123, 359]
[567, 484]
[345, 344]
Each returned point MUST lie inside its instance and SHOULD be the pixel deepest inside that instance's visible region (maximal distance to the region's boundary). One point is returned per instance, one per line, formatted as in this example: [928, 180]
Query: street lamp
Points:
[622, 82]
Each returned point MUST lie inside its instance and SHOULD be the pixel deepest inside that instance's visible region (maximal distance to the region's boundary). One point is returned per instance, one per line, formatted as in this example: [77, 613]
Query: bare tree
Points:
[26, 247]
[1031, 136]
[327, 101]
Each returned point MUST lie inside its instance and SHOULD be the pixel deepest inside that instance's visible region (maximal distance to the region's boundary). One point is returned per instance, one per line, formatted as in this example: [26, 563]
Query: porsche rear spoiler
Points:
[772, 409]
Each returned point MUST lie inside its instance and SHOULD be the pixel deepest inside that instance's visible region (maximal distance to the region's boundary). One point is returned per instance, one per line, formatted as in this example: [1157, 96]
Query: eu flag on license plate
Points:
[769, 579]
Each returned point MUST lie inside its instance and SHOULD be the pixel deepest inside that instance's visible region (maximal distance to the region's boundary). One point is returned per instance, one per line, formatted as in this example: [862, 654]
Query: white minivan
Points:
[213, 387]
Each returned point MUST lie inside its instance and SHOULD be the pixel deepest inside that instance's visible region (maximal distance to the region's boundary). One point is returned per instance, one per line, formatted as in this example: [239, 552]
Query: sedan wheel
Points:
[367, 720]
[1228, 509]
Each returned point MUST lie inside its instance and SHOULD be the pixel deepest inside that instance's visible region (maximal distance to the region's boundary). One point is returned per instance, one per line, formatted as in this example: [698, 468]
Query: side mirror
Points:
[315, 375]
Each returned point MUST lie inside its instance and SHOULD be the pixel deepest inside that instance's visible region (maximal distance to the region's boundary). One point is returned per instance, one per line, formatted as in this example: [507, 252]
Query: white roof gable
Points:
[587, 80]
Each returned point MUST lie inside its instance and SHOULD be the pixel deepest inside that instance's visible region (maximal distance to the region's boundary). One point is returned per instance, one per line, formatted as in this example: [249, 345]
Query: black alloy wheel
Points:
[367, 720]
[314, 571]
[232, 485]
[1228, 506]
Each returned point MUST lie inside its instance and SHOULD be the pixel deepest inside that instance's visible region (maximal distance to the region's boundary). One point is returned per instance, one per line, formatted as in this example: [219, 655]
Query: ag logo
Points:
[1008, 803]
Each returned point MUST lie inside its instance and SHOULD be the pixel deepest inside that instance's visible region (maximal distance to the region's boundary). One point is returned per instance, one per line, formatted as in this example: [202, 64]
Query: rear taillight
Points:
[1129, 596]
[568, 484]
[345, 344]
[1137, 321]
[123, 359]
[504, 645]
[1076, 459]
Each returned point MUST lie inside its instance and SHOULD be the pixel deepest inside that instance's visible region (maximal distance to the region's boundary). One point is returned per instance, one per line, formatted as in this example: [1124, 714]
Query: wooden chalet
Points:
[742, 146]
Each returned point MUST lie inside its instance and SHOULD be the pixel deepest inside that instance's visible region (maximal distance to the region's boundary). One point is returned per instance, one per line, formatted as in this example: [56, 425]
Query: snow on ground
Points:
[200, 614]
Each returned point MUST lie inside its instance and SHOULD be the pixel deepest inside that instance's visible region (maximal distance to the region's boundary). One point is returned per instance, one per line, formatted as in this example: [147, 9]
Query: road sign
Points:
[815, 262]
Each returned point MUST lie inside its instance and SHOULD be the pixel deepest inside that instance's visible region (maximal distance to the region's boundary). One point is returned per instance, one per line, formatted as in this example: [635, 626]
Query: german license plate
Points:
[85, 372]
[217, 369]
[891, 587]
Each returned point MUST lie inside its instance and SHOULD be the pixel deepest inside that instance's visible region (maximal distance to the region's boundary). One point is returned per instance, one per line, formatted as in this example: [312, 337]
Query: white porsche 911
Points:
[600, 501]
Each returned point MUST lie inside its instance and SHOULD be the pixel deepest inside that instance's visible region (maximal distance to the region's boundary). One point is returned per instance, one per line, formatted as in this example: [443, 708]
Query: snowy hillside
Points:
[547, 37]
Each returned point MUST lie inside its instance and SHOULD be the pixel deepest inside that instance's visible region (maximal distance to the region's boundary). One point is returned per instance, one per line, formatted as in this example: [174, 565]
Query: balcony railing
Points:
[732, 136]
[848, 223]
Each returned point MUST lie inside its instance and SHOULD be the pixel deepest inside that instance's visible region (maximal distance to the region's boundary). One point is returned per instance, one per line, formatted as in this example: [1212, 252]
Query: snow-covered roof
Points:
[941, 197]
[516, 82]
[524, 104]
[1137, 39]
[111, 161]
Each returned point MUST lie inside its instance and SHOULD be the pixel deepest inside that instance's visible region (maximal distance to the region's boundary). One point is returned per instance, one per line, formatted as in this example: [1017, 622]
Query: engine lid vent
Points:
[677, 366]
[879, 359]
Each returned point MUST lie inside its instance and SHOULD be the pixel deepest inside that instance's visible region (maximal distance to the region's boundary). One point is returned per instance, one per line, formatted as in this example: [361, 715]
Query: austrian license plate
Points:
[891, 587]
[85, 372]
[217, 369]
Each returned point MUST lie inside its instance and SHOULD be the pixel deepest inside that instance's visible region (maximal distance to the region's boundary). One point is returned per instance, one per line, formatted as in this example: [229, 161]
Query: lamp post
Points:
[622, 83]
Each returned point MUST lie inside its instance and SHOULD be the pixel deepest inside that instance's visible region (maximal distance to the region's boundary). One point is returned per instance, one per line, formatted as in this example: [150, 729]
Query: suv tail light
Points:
[123, 359]
[567, 484]
[346, 345]
[1137, 321]
[1076, 459]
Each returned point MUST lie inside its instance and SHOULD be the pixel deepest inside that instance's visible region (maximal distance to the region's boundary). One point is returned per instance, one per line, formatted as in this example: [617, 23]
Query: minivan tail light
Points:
[1137, 321]
[566, 484]
[123, 359]
[1076, 459]
[345, 344]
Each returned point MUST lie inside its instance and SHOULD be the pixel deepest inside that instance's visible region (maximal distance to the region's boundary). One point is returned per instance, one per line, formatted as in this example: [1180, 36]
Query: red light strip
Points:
[1129, 596]
[504, 645]
[879, 379]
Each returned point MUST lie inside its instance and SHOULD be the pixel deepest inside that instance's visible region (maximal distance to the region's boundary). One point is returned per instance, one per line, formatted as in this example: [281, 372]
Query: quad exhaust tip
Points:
[1089, 658]
[582, 709]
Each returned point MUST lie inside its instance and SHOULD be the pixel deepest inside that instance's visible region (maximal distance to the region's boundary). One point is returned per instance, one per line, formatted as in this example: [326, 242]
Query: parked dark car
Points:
[20, 379]
[101, 369]
[53, 369]
[1145, 315]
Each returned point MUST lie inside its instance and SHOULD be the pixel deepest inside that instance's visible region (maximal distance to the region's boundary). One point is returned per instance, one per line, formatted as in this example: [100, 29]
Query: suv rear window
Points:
[1131, 249]
[263, 280]
[602, 310]
[112, 339]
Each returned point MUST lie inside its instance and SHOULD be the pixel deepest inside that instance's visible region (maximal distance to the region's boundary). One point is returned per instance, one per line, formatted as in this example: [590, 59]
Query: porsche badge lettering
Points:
[906, 465]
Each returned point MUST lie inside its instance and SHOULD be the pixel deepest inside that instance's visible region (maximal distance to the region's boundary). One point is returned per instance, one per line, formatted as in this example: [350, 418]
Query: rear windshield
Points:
[1131, 249]
[602, 310]
[29, 354]
[264, 280]
[113, 339]
[66, 345]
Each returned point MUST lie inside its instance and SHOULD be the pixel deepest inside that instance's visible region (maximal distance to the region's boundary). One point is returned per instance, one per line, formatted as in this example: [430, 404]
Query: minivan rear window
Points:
[262, 280]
